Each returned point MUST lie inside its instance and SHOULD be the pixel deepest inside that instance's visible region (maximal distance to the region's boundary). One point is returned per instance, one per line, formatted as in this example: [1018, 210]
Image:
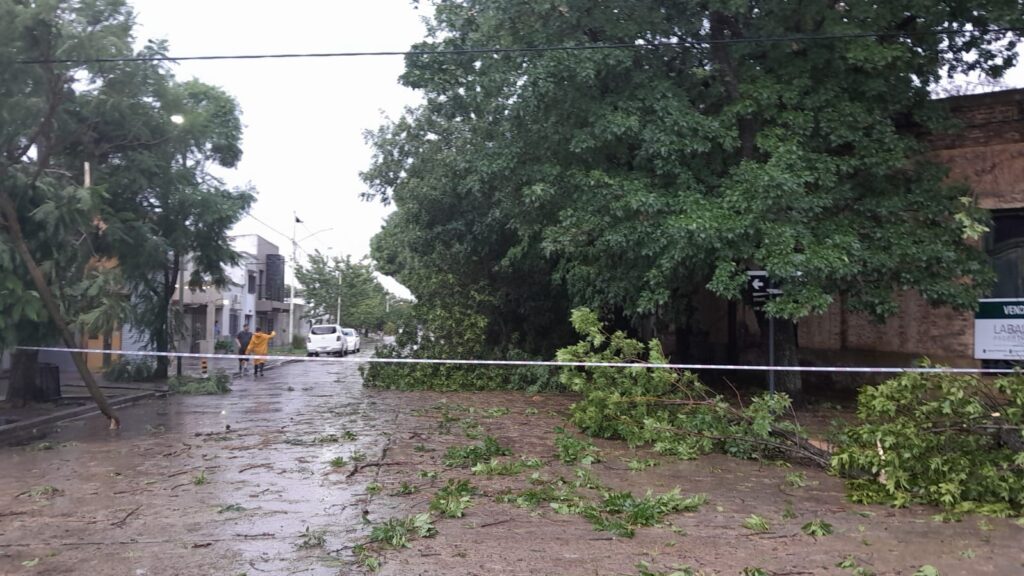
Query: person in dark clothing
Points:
[242, 339]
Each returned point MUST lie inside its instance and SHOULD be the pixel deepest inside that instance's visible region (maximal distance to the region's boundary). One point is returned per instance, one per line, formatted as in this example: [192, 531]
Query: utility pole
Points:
[337, 316]
[291, 295]
[771, 354]
[181, 308]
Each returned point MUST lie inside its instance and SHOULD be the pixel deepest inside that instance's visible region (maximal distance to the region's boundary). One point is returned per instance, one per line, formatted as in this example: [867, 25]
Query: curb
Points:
[283, 363]
[57, 417]
[236, 375]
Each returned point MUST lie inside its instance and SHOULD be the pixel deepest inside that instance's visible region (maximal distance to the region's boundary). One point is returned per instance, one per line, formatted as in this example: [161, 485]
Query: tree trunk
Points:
[10, 213]
[160, 342]
[786, 354]
[163, 334]
[24, 377]
[732, 348]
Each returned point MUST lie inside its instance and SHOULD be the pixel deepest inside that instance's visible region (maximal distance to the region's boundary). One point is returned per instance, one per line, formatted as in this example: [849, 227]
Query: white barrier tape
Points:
[551, 363]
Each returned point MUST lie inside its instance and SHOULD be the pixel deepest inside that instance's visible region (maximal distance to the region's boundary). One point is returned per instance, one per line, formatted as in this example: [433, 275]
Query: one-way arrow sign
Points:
[759, 287]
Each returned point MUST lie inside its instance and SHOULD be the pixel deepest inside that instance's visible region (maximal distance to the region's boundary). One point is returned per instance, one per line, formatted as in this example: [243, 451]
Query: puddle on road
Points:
[212, 475]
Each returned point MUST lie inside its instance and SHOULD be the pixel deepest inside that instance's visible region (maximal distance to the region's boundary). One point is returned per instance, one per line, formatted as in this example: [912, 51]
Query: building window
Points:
[1005, 244]
[252, 283]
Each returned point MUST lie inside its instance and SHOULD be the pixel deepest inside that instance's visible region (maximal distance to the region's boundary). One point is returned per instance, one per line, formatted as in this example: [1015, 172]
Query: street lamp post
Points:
[291, 291]
[179, 120]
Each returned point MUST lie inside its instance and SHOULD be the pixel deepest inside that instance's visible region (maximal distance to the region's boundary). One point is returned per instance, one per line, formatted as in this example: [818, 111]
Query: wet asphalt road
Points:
[199, 484]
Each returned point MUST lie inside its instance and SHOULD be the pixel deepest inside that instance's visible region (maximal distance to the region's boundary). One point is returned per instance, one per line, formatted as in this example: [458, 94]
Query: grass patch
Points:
[756, 524]
[617, 512]
[788, 513]
[467, 456]
[817, 528]
[636, 465]
[405, 489]
[397, 532]
[796, 480]
[554, 493]
[366, 558]
[453, 499]
[572, 450]
[620, 512]
[505, 468]
[472, 429]
[313, 538]
[38, 492]
[216, 383]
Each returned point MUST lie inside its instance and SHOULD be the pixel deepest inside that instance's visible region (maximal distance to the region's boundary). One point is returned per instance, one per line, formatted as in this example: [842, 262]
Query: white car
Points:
[326, 339]
[352, 340]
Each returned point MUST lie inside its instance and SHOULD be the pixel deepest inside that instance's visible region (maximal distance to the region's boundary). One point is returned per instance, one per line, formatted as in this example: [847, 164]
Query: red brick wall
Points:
[988, 155]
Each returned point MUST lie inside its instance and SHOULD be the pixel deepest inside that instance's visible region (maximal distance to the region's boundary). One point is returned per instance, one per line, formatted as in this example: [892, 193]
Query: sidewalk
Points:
[76, 402]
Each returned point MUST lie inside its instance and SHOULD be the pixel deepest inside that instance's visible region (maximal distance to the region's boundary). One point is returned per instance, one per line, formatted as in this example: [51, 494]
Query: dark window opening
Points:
[1007, 226]
[1005, 244]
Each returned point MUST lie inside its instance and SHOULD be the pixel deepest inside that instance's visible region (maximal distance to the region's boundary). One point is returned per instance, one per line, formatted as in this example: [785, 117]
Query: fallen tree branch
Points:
[120, 523]
[820, 457]
[495, 523]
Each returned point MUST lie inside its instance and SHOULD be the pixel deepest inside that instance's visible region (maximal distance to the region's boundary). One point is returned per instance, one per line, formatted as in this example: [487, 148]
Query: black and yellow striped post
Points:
[204, 372]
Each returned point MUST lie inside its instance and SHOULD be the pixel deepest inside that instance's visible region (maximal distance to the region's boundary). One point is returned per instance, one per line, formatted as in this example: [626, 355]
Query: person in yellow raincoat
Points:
[258, 347]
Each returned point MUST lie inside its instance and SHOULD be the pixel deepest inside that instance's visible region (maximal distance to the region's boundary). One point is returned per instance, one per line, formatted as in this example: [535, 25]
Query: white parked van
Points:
[326, 339]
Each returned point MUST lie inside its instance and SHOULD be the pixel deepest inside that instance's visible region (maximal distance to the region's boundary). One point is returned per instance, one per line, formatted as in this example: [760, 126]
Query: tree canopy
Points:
[332, 285]
[633, 180]
[153, 200]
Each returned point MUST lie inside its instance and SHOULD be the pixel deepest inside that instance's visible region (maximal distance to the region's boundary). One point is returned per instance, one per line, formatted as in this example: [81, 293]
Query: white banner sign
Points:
[999, 330]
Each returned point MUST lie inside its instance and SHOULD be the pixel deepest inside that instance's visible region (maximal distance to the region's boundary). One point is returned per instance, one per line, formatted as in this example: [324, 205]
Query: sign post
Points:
[999, 329]
[759, 286]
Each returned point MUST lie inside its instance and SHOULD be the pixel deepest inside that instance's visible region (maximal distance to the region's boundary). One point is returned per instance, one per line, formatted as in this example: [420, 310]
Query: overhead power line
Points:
[702, 42]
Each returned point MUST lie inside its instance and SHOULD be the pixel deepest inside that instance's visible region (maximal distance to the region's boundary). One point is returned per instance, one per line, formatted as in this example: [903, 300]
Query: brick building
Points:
[987, 155]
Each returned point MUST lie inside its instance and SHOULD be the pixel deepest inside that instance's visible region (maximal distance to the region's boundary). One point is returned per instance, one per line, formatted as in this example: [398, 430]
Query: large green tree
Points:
[154, 202]
[634, 180]
[48, 224]
[168, 211]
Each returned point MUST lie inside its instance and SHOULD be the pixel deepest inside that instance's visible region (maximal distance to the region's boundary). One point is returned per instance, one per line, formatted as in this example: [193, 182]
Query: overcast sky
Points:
[304, 118]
